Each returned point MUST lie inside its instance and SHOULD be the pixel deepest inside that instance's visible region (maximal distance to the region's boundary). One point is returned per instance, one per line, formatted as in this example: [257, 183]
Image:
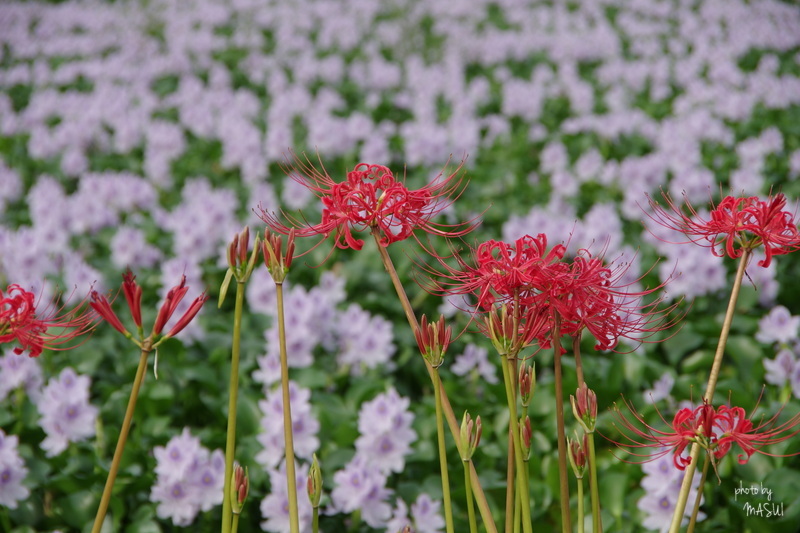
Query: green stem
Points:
[291, 477]
[123, 438]
[696, 510]
[235, 523]
[566, 520]
[455, 429]
[520, 476]
[473, 523]
[683, 495]
[511, 500]
[233, 393]
[517, 522]
[576, 350]
[580, 506]
[315, 520]
[597, 522]
[448, 508]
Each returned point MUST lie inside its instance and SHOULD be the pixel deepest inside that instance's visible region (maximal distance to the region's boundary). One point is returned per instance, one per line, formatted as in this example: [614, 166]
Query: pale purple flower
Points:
[305, 426]
[662, 483]
[386, 435]
[661, 389]
[130, 249]
[67, 415]
[360, 485]
[779, 325]
[475, 358]
[189, 479]
[12, 472]
[781, 369]
[426, 515]
[20, 371]
[364, 340]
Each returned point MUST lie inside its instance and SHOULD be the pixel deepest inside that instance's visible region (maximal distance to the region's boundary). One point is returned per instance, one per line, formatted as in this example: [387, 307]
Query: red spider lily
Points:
[501, 271]
[22, 322]
[734, 225]
[733, 427]
[715, 430]
[688, 426]
[133, 296]
[371, 198]
[510, 331]
[591, 295]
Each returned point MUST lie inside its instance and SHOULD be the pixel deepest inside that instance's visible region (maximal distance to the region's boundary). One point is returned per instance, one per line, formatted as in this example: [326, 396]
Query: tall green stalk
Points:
[686, 486]
[473, 524]
[105, 499]
[233, 394]
[597, 523]
[291, 478]
[522, 487]
[448, 508]
[480, 497]
[566, 520]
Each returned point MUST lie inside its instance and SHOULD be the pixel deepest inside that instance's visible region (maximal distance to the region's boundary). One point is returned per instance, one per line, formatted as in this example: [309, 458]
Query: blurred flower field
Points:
[146, 134]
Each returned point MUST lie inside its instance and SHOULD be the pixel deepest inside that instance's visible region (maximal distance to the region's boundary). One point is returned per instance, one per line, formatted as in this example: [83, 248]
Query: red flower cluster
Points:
[20, 321]
[371, 198]
[735, 225]
[133, 296]
[536, 285]
[715, 430]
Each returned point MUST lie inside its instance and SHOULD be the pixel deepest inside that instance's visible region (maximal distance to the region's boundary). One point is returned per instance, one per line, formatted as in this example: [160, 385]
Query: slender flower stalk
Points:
[278, 264]
[433, 340]
[103, 308]
[585, 410]
[105, 499]
[686, 486]
[240, 267]
[566, 520]
[480, 497]
[521, 485]
[577, 459]
[470, 436]
[696, 508]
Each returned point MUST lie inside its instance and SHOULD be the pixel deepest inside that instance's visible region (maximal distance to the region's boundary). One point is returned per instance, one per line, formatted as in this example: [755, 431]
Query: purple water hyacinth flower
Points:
[662, 483]
[130, 249]
[189, 479]
[779, 325]
[781, 369]
[12, 472]
[67, 415]
[365, 340]
[20, 371]
[360, 485]
[275, 507]
[426, 514]
[305, 426]
[661, 388]
[475, 358]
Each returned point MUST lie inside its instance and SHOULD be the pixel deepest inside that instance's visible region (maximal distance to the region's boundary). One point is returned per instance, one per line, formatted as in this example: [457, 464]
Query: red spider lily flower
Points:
[471, 431]
[578, 453]
[734, 225]
[371, 198]
[734, 427]
[433, 340]
[688, 426]
[715, 430]
[591, 295]
[133, 296]
[32, 328]
[510, 331]
[527, 383]
[501, 271]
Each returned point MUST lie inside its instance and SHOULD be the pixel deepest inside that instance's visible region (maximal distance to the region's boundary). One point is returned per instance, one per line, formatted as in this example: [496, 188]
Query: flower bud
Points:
[584, 407]
[276, 261]
[577, 455]
[240, 486]
[314, 484]
[527, 383]
[470, 436]
[433, 340]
